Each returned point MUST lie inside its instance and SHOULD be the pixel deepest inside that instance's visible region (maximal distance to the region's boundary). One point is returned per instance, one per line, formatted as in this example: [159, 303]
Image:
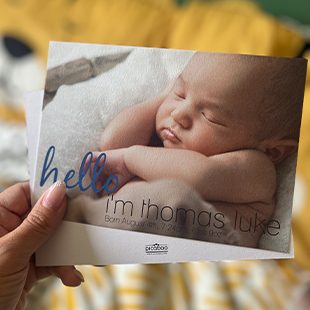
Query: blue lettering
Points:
[97, 172]
[113, 179]
[70, 174]
[110, 185]
[84, 170]
[46, 165]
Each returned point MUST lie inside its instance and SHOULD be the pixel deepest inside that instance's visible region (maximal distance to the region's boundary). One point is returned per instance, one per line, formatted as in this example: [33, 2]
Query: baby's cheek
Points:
[207, 146]
[158, 120]
[192, 144]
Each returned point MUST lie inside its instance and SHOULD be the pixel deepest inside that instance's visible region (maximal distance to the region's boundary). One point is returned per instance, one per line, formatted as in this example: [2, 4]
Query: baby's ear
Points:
[279, 149]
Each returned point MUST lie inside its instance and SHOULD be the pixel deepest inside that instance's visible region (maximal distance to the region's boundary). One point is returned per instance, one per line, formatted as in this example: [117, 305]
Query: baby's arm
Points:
[243, 176]
[132, 126]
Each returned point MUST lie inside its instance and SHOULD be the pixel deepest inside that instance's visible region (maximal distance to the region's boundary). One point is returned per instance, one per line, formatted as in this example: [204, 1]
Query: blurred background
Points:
[262, 27]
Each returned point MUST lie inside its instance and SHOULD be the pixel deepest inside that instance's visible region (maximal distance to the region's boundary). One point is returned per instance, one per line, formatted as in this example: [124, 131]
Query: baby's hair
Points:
[276, 85]
[281, 106]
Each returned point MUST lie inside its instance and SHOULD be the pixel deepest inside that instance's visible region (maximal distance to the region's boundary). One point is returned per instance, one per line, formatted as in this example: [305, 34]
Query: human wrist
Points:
[134, 150]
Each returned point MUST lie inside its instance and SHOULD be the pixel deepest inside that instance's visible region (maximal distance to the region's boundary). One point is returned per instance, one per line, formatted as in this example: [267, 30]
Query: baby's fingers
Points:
[91, 160]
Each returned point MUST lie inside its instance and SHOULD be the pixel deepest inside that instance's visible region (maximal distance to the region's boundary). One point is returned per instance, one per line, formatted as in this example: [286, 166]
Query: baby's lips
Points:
[168, 134]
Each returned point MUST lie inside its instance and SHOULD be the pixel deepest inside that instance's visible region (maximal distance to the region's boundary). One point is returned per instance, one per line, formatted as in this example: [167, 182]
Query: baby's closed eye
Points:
[212, 119]
[180, 96]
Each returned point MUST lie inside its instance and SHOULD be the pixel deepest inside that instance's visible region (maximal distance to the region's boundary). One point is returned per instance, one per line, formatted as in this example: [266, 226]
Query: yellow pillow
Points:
[232, 27]
[127, 22]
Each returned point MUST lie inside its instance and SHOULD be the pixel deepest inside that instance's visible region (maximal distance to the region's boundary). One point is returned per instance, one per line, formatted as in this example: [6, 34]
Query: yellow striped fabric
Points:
[227, 285]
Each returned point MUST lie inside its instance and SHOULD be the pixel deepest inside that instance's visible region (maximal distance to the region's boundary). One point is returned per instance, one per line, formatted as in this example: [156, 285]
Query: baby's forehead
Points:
[231, 75]
[229, 97]
[233, 64]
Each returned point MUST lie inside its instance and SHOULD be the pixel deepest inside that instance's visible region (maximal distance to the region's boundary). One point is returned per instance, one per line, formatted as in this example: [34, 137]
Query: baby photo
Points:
[186, 144]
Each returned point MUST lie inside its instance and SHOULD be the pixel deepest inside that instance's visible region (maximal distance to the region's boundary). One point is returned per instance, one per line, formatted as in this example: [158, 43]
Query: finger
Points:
[9, 220]
[96, 154]
[88, 164]
[3, 231]
[102, 157]
[22, 301]
[90, 161]
[39, 223]
[16, 198]
[68, 275]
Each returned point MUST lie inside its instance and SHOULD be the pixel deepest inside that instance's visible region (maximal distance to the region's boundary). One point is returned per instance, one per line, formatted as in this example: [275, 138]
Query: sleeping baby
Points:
[221, 127]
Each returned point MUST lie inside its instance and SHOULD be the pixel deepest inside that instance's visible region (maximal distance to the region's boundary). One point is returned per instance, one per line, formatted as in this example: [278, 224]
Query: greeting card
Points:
[163, 150]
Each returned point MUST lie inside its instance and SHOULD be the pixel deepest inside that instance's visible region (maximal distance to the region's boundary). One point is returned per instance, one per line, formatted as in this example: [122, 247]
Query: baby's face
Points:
[210, 109]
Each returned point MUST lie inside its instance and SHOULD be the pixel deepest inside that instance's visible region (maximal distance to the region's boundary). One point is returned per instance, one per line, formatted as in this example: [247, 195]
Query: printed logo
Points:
[156, 249]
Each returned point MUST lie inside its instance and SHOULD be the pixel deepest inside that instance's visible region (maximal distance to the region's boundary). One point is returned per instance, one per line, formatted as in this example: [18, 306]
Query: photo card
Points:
[183, 144]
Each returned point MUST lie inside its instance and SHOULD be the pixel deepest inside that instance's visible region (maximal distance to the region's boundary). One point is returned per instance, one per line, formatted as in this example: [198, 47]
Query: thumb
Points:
[41, 221]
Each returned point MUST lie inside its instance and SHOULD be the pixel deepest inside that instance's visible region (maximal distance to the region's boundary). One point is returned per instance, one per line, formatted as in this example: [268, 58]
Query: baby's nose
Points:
[182, 116]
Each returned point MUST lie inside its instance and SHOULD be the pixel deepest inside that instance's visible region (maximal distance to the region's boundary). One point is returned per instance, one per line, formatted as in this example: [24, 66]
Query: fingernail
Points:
[54, 195]
[79, 275]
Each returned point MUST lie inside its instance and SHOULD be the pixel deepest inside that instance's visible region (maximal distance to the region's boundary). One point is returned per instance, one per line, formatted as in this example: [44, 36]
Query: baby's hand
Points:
[114, 164]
